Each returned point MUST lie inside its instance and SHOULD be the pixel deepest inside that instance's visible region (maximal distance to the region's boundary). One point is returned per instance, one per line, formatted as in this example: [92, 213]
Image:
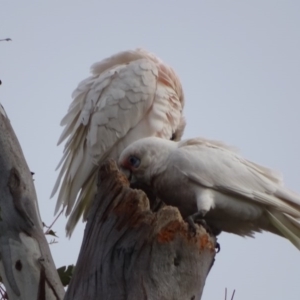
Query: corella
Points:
[210, 178]
[130, 95]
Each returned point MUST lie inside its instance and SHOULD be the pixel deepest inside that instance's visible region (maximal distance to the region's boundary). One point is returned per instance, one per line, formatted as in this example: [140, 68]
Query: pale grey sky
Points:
[240, 69]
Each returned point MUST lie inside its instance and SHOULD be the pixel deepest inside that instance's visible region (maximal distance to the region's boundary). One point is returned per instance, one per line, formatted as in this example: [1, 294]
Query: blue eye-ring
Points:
[134, 161]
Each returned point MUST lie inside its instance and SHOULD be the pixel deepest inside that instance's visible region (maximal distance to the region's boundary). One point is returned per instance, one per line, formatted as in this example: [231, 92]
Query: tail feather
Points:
[288, 226]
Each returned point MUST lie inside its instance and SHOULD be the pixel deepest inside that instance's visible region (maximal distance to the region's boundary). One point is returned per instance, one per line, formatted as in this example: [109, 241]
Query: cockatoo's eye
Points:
[134, 161]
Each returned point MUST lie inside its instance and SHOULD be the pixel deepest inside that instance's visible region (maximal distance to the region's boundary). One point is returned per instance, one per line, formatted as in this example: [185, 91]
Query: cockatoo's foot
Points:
[217, 247]
[191, 224]
[198, 218]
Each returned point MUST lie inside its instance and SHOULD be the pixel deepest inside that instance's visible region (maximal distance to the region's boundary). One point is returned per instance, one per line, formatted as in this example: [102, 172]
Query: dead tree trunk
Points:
[129, 252]
[26, 266]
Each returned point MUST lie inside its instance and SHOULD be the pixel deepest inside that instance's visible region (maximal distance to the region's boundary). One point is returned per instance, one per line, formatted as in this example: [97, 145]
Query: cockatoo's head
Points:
[140, 160]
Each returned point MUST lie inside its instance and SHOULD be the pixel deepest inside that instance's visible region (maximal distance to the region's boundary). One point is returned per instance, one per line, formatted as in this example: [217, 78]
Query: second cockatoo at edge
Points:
[212, 180]
[129, 96]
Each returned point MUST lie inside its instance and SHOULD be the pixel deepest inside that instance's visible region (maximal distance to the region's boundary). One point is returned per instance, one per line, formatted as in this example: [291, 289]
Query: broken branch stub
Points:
[26, 265]
[129, 252]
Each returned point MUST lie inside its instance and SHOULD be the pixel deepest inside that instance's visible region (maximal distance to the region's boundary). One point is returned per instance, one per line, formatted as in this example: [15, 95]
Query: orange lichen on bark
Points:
[204, 242]
[175, 228]
[167, 234]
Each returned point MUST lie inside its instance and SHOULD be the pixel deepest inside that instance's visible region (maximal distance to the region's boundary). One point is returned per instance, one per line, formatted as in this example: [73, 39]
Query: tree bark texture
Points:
[26, 266]
[129, 252]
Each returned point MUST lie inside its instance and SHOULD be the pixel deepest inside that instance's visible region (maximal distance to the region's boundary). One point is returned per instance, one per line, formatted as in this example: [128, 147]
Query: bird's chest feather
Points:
[189, 199]
[180, 195]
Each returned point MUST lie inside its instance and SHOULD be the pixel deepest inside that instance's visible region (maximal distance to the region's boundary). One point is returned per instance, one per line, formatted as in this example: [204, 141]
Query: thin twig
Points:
[3, 292]
[231, 296]
[48, 230]
[54, 241]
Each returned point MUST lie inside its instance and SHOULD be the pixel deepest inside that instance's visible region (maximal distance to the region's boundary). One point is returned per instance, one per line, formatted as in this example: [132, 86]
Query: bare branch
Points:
[26, 265]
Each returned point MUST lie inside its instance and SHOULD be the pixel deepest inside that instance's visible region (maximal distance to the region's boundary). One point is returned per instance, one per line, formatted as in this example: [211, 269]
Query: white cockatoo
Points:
[129, 96]
[211, 179]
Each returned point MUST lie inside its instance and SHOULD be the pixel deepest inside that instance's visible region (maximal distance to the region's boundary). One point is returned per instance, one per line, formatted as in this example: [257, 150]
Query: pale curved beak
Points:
[126, 172]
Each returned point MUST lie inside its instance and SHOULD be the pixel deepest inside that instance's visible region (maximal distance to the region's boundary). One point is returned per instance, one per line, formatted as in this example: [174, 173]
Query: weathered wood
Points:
[129, 252]
[26, 265]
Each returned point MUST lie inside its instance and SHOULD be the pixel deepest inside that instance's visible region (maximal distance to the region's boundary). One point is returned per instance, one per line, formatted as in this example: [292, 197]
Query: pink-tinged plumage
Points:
[129, 96]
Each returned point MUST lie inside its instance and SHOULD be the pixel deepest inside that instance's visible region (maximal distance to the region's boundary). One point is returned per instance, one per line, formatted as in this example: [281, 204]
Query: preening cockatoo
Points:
[230, 192]
[129, 96]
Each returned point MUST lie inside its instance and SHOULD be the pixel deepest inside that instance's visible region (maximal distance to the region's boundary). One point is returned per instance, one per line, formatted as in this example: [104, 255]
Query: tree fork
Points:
[129, 252]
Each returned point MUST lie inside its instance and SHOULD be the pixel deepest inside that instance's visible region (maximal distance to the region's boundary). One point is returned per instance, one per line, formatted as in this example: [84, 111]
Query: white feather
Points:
[129, 96]
[239, 196]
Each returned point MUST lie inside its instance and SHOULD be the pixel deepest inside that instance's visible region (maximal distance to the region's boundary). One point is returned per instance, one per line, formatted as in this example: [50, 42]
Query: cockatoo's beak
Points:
[126, 172]
[129, 175]
[132, 178]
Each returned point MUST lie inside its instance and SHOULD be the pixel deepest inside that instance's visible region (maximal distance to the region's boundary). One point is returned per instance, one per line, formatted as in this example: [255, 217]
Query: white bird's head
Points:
[143, 158]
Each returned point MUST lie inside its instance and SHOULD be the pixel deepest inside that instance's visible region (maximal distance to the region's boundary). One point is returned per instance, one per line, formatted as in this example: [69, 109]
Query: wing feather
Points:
[129, 96]
[214, 165]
